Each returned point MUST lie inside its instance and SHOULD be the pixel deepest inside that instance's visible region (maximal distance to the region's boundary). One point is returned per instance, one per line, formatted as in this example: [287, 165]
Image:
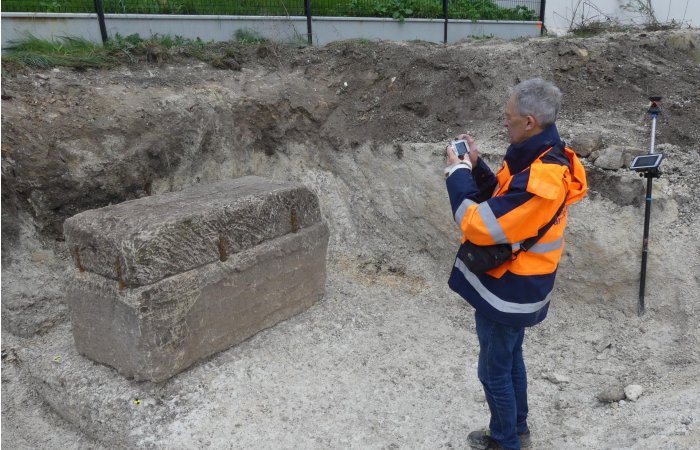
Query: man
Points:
[537, 181]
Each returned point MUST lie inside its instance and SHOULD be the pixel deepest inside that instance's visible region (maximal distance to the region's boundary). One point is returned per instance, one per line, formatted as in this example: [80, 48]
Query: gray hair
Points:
[538, 98]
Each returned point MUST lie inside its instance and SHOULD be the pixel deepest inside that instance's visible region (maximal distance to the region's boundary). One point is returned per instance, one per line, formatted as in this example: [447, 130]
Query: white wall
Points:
[282, 29]
[559, 13]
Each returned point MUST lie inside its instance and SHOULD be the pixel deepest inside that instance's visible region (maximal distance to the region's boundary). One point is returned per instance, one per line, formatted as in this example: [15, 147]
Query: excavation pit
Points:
[388, 358]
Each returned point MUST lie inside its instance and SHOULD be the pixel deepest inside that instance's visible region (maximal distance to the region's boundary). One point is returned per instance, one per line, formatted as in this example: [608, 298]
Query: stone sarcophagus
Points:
[164, 281]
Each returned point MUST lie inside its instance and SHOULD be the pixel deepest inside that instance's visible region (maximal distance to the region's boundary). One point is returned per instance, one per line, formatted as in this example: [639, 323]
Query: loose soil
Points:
[388, 358]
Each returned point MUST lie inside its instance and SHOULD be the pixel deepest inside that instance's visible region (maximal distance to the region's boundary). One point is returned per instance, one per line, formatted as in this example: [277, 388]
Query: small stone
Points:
[479, 397]
[226, 63]
[611, 158]
[611, 394]
[560, 404]
[585, 144]
[633, 392]
[602, 345]
[556, 378]
[666, 147]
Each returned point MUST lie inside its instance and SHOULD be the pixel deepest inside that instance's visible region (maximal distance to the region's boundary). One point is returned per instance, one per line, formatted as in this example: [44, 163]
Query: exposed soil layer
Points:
[388, 358]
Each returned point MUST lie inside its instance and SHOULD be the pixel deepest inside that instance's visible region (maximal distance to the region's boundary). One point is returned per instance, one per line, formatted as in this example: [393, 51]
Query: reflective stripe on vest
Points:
[497, 302]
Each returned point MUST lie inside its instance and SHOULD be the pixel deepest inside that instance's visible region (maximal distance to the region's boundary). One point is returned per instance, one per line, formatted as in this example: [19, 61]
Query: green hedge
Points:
[398, 9]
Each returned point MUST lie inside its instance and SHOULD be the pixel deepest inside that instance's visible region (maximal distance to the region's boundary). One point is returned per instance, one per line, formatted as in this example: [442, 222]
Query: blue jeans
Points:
[502, 373]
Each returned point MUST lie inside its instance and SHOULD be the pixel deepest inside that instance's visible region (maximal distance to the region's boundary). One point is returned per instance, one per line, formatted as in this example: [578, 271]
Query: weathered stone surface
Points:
[142, 241]
[196, 272]
[617, 156]
[153, 332]
[633, 392]
[611, 158]
[622, 187]
[585, 144]
[556, 378]
[611, 394]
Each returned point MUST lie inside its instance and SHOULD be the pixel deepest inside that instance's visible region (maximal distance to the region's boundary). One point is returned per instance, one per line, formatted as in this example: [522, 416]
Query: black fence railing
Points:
[398, 9]
[523, 10]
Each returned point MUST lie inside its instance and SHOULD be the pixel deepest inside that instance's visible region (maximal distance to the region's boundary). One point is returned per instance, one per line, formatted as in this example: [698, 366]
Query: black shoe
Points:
[525, 441]
[482, 440]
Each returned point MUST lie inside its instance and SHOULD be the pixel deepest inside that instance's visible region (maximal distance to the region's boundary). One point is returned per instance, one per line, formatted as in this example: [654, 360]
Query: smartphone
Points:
[461, 147]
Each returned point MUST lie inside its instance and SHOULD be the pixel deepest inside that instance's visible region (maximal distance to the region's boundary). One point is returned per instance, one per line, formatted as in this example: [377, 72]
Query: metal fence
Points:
[523, 10]
[397, 9]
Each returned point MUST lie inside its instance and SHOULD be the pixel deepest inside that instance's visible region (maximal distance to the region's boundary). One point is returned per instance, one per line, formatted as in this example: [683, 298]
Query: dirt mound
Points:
[75, 153]
[364, 125]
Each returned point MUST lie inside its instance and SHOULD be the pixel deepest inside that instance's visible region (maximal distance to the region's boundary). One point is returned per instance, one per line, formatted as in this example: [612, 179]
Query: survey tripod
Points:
[648, 167]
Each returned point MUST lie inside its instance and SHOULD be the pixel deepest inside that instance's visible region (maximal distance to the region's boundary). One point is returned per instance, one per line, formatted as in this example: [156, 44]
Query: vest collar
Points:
[522, 155]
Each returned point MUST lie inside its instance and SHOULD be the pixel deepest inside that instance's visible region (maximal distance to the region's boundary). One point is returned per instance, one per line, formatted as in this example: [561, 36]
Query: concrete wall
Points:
[281, 29]
[559, 12]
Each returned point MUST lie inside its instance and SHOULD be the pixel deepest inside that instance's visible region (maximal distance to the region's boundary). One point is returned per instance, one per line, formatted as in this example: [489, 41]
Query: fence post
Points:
[101, 18]
[542, 10]
[307, 11]
[444, 10]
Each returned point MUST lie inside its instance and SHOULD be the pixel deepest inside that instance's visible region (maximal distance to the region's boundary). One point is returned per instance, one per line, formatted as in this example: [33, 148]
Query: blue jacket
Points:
[537, 176]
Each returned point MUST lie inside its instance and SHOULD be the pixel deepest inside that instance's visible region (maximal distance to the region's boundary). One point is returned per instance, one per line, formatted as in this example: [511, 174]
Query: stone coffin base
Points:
[154, 332]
